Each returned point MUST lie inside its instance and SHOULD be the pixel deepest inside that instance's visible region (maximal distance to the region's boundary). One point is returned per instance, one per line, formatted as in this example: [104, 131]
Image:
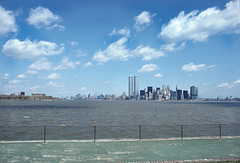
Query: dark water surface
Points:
[116, 113]
[75, 120]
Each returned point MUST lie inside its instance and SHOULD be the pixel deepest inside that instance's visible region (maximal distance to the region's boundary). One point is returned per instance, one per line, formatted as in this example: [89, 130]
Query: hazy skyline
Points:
[63, 48]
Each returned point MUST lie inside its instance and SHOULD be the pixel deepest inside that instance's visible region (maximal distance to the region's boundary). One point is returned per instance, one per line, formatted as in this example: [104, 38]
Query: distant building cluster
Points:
[94, 97]
[22, 96]
[159, 93]
[163, 93]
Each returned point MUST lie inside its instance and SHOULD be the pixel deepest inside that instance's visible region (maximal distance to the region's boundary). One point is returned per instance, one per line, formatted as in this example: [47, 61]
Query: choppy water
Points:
[82, 115]
[90, 113]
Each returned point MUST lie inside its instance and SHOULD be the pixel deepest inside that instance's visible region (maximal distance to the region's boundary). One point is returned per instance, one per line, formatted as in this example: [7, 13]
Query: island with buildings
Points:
[163, 93]
[22, 96]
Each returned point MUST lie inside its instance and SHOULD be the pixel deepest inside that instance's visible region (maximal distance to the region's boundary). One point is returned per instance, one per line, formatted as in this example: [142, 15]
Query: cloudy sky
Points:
[65, 47]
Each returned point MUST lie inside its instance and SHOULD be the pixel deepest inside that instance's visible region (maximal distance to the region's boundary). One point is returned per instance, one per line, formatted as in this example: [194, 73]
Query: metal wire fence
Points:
[98, 133]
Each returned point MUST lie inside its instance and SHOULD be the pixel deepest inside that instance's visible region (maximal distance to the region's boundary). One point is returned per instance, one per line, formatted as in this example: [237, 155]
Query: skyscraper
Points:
[150, 89]
[185, 94]
[133, 87]
[130, 87]
[136, 87]
[194, 93]
[143, 94]
[173, 95]
[179, 94]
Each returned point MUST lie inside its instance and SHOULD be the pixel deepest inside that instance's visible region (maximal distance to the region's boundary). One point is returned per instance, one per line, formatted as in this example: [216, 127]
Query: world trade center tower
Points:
[130, 87]
[136, 87]
[133, 90]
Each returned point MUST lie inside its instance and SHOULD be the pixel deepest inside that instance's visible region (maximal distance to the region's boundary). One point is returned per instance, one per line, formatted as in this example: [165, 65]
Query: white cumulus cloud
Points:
[118, 51]
[88, 64]
[41, 64]
[125, 32]
[56, 85]
[14, 81]
[148, 53]
[54, 76]
[192, 67]
[31, 49]
[115, 51]
[229, 85]
[148, 68]
[143, 20]
[21, 76]
[74, 43]
[173, 46]
[82, 89]
[222, 85]
[31, 72]
[5, 76]
[65, 64]
[43, 17]
[237, 82]
[158, 75]
[7, 22]
[198, 26]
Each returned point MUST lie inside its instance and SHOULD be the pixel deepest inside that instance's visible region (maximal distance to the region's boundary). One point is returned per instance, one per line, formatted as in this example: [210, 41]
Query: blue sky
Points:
[62, 48]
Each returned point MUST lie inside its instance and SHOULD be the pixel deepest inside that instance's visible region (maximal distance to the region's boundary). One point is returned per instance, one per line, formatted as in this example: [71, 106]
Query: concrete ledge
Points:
[125, 139]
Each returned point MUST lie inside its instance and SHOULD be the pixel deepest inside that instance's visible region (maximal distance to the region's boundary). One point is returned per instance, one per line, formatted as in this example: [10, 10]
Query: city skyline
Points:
[92, 46]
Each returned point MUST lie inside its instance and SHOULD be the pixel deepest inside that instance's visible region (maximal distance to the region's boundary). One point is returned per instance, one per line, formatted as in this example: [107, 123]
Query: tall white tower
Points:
[130, 87]
[136, 87]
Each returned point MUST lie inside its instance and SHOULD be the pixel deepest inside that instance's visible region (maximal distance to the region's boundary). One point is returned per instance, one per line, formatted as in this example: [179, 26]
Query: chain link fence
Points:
[101, 133]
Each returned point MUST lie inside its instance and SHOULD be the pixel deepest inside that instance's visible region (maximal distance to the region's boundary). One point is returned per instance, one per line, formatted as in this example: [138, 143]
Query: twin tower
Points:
[133, 87]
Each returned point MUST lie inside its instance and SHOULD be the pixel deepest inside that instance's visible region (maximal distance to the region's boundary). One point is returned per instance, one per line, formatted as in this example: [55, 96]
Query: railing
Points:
[99, 133]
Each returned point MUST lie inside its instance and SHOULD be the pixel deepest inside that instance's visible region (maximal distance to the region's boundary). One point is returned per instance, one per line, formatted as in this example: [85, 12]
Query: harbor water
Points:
[76, 120]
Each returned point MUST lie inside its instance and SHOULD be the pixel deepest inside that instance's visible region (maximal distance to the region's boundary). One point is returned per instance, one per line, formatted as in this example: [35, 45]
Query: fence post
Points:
[94, 133]
[44, 135]
[220, 131]
[140, 133]
[181, 132]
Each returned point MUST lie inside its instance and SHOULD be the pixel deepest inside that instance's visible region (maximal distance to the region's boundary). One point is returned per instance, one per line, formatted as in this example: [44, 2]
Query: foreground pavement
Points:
[120, 151]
